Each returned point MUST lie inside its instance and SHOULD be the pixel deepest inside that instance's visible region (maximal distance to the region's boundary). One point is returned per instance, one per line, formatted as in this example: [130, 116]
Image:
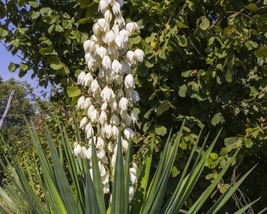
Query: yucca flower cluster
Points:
[111, 95]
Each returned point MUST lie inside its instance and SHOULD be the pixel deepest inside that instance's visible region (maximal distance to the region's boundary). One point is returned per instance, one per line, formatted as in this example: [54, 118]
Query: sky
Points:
[5, 58]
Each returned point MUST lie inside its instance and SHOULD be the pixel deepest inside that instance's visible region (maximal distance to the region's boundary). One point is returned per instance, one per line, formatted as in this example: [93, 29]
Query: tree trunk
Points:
[7, 108]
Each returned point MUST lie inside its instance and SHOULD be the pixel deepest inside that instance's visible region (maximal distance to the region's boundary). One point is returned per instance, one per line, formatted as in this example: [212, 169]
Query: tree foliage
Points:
[205, 60]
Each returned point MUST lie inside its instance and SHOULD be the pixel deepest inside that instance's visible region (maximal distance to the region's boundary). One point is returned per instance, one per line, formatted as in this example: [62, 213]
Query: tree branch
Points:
[7, 108]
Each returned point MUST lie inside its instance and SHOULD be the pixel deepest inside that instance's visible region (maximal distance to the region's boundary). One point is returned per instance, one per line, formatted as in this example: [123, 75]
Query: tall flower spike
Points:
[108, 104]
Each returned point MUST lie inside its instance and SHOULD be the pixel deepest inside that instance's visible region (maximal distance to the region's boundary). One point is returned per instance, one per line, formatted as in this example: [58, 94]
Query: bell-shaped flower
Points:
[83, 153]
[88, 79]
[128, 133]
[131, 193]
[108, 15]
[103, 6]
[93, 115]
[104, 106]
[81, 77]
[95, 88]
[83, 122]
[101, 51]
[115, 132]
[77, 150]
[119, 42]
[88, 153]
[114, 120]
[80, 103]
[126, 68]
[106, 62]
[136, 97]
[87, 102]
[123, 104]
[126, 118]
[132, 174]
[113, 105]
[107, 94]
[125, 144]
[87, 57]
[124, 34]
[139, 55]
[109, 37]
[103, 25]
[96, 29]
[100, 144]
[91, 64]
[108, 131]
[134, 116]
[116, 66]
[101, 155]
[130, 57]
[132, 27]
[103, 118]
[116, 8]
[119, 20]
[89, 130]
[88, 46]
[113, 51]
[129, 81]
[111, 147]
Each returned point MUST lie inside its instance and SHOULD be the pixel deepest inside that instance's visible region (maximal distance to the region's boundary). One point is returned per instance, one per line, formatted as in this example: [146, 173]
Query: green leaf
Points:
[3, 32]
[162, 53]
[55, 62]
[118, 188]
[182, 91]
[12, 67]
[229, 75]
[34, 4]
[160, 130]
[261, 52]
[73, 91]
[163, 106]
[135, 40]
[180, 25]
[204, 23]
[35, 14]
[252, 7]
[217, 118]
[181, 40]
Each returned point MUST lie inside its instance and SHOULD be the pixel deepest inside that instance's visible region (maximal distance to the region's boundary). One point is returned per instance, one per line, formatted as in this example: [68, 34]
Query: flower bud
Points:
[116, 66]
[115, 132]
[88, 153]
[108, 15]
[89, 130]
[96, 29]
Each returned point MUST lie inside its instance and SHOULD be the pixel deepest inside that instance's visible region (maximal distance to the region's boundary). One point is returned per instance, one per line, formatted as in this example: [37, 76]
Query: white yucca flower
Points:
[109, 82]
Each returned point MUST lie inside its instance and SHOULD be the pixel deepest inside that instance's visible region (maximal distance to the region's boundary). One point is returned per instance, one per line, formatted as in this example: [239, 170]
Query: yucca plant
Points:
[71, 186]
